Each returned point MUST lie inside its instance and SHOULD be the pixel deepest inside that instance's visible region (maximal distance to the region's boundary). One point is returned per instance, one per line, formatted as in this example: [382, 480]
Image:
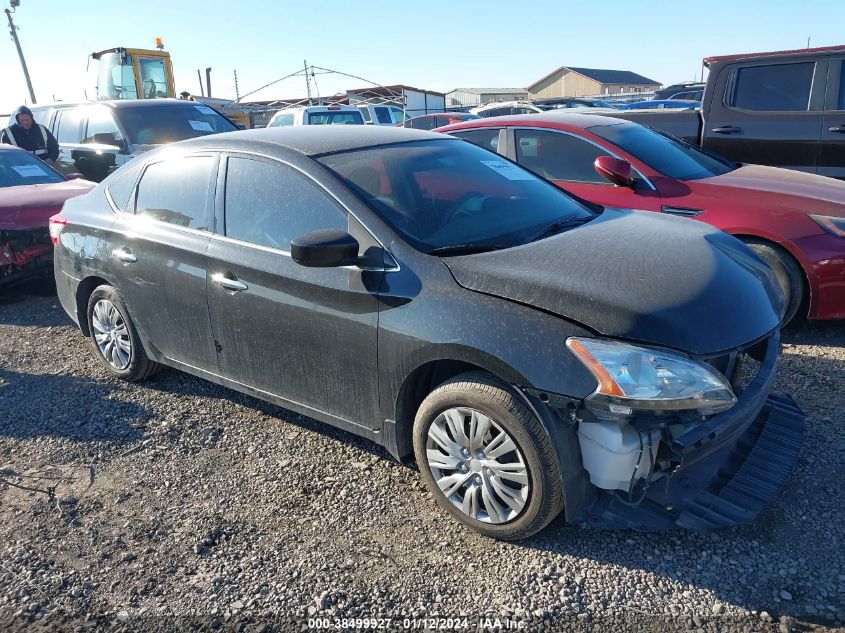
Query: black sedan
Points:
[534, 354]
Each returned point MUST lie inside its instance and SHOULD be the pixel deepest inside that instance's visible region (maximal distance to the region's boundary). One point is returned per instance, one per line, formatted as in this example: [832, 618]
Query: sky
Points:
[433, 44]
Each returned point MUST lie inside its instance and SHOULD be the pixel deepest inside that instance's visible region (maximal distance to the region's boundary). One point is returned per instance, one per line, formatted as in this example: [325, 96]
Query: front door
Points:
[307, 335]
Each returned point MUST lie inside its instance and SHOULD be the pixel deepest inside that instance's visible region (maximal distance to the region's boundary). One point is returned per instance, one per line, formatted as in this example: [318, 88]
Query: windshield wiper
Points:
[556, 227]
[465, 249]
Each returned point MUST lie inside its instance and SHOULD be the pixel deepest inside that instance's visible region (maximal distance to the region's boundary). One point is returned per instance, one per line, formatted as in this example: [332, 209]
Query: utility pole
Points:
[237, 93]
[13, 31]
[307, 81]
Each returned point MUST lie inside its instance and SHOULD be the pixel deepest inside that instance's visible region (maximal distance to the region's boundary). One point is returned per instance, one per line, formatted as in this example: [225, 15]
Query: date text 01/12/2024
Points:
[433, 623]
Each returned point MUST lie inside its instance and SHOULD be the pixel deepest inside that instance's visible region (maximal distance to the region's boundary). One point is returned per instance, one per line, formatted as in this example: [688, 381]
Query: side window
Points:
[100, 121]
[287, 205]
[283, 121]
[68, 126]
[365, 112]
[41, 117]
[428, 123]
[488, 137]
[120, 189]
[176, 191]
[558, 156]
[383, 115]
[773, 88]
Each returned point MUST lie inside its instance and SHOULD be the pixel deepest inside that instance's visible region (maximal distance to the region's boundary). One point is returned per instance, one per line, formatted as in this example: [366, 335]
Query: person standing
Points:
[31, 136]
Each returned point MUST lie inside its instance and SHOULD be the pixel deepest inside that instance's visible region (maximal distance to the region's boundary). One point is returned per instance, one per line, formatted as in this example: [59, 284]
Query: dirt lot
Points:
[178, 498]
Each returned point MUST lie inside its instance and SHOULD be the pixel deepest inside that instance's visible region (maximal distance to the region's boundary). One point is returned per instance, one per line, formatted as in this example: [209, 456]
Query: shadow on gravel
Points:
[824, 333]
[74, 407]
[32, 303]
[176, 382]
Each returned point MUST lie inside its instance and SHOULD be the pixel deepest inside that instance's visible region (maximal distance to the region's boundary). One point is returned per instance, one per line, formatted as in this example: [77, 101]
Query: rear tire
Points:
[788, 274]
[114, 337]
[486, 458]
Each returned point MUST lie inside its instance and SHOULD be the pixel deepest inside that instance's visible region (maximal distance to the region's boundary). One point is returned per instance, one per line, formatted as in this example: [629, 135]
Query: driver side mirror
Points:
[326, 248]
[616, 170]
[108, 138]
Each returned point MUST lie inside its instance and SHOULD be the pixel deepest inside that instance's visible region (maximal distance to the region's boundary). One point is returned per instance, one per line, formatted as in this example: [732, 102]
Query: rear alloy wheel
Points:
[114, 337]
[787, 272]
[486, 458]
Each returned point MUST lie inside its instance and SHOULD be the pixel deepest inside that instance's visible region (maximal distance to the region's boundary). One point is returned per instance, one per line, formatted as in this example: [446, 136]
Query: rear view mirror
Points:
[325, 248]
[616, 170]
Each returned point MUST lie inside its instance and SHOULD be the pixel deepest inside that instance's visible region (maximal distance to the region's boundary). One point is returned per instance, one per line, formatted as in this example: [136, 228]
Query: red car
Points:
[793, 220]
[30, 192]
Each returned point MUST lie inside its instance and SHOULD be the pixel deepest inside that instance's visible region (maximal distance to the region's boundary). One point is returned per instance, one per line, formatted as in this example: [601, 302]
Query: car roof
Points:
[120, 104]
[312, 140]
[551, 118]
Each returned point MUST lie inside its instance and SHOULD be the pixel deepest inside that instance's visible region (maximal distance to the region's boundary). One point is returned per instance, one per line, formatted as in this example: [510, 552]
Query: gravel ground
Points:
[181, 499]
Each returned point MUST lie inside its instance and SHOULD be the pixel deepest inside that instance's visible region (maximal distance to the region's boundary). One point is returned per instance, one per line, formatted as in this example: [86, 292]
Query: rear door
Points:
[307, 335]
[163, 250]
[768, 113]
[567, 160]
[832, 151]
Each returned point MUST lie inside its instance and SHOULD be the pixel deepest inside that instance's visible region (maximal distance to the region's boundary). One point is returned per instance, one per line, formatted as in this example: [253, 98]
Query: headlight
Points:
[633, 378]
[830, 224]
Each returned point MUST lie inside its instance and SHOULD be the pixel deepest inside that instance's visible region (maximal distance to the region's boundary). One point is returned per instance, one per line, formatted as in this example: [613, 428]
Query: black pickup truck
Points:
[785, 108]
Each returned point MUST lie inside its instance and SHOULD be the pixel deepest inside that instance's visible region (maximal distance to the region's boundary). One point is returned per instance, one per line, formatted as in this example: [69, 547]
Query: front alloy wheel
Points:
[486, 457]
[477, 465]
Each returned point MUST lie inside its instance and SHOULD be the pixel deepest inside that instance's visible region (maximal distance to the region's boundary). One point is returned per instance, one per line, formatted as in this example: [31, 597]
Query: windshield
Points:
[444, 193]
[663, 153]
[156, 124]
[336, 117]
[22, 168]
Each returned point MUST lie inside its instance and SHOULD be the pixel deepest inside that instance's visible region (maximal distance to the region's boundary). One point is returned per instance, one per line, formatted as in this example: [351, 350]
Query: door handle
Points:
[125, 256]
[727, 129]
[229, 284]
[839, 129]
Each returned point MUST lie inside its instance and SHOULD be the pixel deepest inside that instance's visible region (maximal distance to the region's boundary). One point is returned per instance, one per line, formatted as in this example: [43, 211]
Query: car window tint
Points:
[176, 191]
[68, 131]
[120, 188]
[383, 115]
[488, 138]
[774, 88]
[272, 204]
[440, 121]
[558, 156]
[100, 121]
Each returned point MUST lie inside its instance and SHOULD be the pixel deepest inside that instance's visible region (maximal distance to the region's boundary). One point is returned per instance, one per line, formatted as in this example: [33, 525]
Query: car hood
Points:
[785, 187]
[30, 206]
[639, 276]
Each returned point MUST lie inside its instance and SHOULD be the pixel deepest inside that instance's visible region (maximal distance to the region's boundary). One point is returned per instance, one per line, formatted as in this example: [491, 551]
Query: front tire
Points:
[787, 272]
[486, 458]
[114, 337]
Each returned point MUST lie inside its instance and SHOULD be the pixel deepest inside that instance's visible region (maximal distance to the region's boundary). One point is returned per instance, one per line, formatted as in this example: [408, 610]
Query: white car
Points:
[507, 108]
[317, 115]
[382, 114]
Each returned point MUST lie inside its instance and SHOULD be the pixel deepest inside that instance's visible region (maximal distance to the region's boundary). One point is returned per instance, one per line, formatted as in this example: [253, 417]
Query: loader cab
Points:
[133, 73]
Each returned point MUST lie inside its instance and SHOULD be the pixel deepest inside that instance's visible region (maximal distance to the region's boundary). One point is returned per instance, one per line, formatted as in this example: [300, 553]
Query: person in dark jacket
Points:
[31, 136]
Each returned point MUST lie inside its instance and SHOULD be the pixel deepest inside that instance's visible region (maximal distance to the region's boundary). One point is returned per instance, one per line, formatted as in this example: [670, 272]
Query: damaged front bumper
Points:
[717, 473]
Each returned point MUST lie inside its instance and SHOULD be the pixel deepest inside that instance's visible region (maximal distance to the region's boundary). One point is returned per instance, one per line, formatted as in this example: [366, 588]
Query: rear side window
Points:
[773, 88]
[176, 191]
[425, 123]
[41, 116]
[488, 138]
[120, 188]
[558, 156]
[282, 121]
[271, 204]
[68, 126]
[842, 87]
